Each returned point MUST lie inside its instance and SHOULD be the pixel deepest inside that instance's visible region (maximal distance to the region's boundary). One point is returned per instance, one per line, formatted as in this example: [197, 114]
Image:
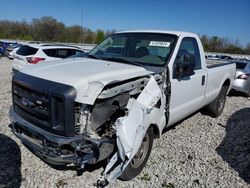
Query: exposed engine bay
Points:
[123, 113]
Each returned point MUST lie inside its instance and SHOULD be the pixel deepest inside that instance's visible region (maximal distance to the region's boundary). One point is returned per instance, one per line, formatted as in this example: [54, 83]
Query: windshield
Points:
[141, 48]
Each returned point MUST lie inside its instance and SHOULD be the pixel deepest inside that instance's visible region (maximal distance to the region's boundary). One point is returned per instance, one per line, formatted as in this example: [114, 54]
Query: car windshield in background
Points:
[137, 48]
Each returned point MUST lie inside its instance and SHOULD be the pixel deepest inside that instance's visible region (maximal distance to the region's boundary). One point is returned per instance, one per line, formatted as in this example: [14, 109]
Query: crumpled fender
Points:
[131, 129]
[93, 90]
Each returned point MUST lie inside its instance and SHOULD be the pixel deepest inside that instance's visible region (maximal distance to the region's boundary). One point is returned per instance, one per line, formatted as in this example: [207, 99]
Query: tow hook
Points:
[82, 162]
[85, 159]
[86, 155]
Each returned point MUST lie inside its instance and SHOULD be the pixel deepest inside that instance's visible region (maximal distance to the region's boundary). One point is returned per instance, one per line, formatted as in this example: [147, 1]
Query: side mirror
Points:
[184, 69]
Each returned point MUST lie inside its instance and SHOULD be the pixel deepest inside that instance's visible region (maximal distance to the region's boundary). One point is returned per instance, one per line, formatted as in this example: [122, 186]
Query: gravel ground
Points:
[199, 152]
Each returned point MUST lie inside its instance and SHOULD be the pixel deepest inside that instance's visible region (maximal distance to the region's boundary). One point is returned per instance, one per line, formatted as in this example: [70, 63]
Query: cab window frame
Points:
[196, 55]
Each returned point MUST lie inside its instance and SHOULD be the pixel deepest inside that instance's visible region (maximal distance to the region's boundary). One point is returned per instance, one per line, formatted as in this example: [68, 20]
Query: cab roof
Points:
[178, 33]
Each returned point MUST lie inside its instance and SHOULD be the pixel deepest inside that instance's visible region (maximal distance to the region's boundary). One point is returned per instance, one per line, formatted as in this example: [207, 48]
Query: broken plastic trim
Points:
[131, 129]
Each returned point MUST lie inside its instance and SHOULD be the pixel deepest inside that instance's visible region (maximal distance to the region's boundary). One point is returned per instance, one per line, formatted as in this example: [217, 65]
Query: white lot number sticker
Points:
[159, 44]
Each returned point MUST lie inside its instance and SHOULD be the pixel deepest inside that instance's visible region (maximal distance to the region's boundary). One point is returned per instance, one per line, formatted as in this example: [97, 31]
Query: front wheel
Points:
[140, 159]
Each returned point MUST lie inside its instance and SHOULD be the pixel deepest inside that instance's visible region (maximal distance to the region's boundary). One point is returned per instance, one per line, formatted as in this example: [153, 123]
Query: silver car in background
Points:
[242, 77]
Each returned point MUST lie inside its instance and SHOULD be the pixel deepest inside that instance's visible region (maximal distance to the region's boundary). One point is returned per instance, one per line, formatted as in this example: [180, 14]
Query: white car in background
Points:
[12, 54]
[242, 77]
[31, 54]
[10, 49]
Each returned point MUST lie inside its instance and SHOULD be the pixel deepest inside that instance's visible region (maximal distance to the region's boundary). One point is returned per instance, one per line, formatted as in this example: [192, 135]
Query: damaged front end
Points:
[58, 150]
[113, 127]
[146, 110]
[49, 121]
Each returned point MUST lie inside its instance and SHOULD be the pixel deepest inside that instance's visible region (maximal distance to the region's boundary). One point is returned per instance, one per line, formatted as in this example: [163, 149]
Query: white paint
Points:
[188, 95]
[132, 128]
[87, 76]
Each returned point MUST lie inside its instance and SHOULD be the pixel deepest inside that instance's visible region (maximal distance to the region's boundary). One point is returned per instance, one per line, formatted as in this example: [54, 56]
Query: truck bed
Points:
[217, 72]
[217, 63]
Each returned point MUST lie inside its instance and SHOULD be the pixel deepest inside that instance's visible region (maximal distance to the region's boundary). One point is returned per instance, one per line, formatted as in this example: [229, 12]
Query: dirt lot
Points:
[199, 152]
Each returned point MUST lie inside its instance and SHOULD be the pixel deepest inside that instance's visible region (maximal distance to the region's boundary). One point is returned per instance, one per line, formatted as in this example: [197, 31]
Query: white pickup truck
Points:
[113, 103]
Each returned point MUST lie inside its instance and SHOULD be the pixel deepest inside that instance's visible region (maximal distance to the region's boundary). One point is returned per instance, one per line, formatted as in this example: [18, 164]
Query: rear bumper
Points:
[59, 150]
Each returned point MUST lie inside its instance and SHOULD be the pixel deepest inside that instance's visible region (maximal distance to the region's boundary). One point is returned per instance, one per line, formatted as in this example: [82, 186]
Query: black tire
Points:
[248, 95]
[132, 170]
[215, 108]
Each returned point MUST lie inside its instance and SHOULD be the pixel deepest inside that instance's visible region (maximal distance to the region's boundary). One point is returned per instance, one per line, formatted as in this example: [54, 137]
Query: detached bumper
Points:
[59, 150]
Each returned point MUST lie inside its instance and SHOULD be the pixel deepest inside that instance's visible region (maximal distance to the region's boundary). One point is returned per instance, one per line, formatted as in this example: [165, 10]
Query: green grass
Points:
[167, 185]
[145, 177]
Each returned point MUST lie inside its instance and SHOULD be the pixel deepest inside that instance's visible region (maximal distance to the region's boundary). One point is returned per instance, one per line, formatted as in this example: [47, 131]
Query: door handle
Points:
[203, 80]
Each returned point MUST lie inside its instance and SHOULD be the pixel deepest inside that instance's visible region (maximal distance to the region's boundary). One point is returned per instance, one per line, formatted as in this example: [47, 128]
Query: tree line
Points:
[223, 45]
[50, 30]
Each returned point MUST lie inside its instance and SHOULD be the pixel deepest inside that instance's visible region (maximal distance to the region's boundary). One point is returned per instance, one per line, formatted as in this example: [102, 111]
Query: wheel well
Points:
[226, 83]
[155, 130]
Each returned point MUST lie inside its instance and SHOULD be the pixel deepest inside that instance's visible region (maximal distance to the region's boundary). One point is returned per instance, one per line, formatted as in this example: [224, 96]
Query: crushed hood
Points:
[87, 76]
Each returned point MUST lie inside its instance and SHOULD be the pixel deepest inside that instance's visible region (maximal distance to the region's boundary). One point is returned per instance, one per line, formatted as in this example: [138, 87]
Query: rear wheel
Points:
[248, 95]
[140, 159]
[215, 108]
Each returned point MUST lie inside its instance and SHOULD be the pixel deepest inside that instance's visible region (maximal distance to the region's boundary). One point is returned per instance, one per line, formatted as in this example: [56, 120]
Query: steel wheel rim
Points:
[142, 153]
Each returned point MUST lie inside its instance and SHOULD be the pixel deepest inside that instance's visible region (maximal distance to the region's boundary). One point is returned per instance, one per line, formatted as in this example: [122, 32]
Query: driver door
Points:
[187, 92]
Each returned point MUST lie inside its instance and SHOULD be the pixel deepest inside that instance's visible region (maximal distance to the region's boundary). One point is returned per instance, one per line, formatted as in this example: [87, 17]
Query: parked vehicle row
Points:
[11, 49]
[5, 47]
[35, 52]
[31, 54]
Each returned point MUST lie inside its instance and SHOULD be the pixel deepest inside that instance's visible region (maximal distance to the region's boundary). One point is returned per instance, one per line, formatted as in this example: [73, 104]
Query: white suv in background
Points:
[31, 54]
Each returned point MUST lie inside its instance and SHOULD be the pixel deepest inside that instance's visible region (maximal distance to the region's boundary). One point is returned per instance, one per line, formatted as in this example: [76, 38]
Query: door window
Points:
[188, 52]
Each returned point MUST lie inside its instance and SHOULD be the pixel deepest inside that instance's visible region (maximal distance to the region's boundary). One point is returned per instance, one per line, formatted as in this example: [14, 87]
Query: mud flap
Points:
[147, 109]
